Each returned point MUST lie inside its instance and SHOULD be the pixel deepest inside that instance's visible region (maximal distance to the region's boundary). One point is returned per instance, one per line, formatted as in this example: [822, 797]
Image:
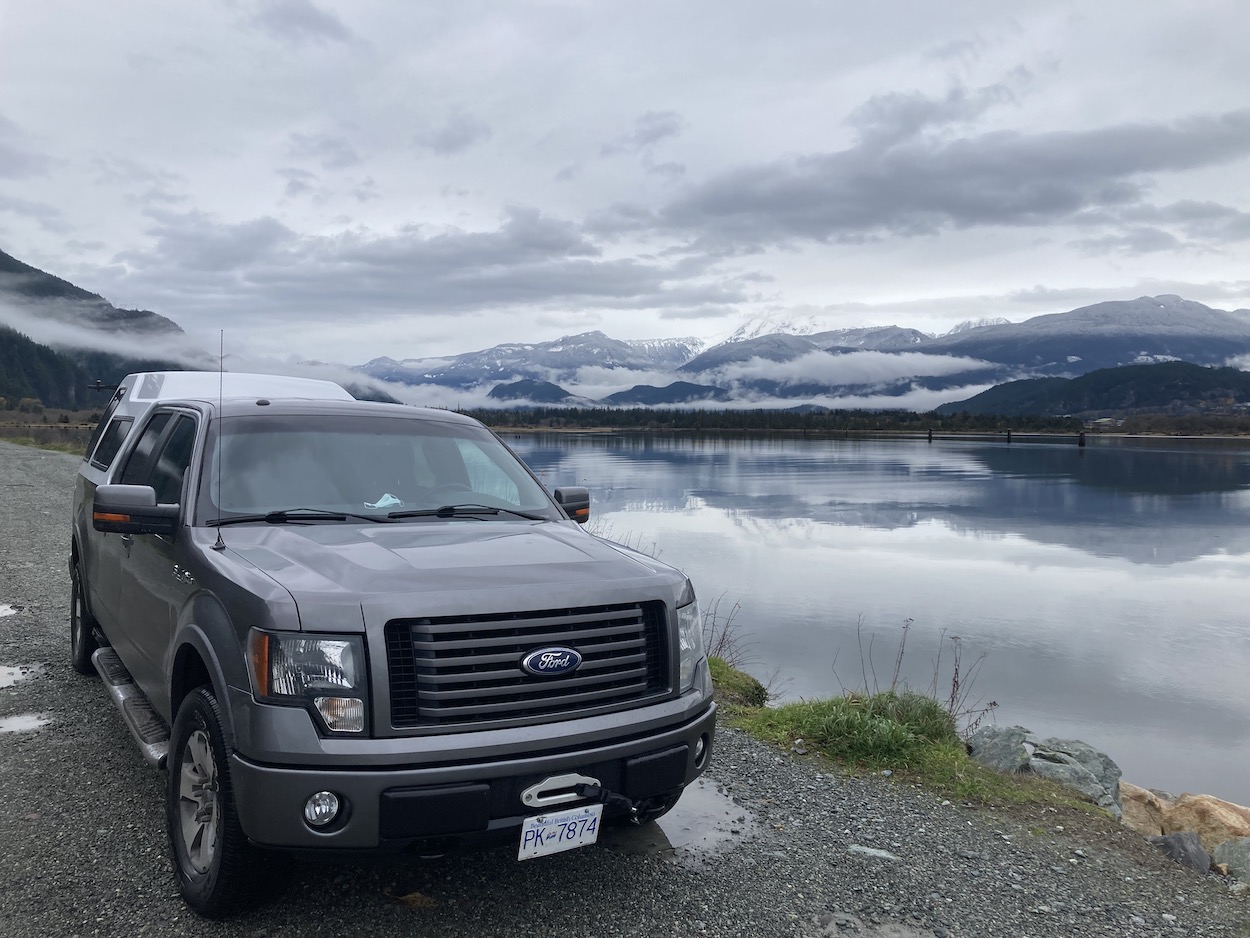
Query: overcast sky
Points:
[344, 180]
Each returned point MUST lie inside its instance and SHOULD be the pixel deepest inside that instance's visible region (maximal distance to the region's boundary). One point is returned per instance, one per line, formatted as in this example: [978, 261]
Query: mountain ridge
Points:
[758, 365]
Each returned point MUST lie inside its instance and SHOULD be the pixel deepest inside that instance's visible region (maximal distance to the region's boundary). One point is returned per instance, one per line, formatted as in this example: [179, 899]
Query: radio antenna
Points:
[221, 393]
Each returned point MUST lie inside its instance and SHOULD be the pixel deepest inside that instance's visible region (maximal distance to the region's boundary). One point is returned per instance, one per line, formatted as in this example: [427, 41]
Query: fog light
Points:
[342, 714]
[321, 809]
[700, 751]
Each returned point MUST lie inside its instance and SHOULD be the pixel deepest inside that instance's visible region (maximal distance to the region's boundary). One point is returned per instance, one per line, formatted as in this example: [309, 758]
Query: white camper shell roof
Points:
[144, 389]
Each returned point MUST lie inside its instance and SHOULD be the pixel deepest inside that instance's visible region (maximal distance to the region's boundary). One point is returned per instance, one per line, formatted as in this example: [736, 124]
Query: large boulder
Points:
[1213, 820]
[1235, 854]
[1079, 766]
[1001, 747]
[1143, 809]
[1069, 762]
[1185, 849]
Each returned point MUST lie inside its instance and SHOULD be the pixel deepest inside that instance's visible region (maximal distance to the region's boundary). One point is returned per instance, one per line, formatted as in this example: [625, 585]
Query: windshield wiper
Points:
[464, 510]
[294, 516]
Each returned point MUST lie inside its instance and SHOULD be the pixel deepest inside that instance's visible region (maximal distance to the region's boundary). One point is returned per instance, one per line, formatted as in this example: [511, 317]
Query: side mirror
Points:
[575, 500]
[132, 509]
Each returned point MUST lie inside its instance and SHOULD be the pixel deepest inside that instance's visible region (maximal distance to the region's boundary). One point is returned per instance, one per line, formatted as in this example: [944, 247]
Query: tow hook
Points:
[609, 799]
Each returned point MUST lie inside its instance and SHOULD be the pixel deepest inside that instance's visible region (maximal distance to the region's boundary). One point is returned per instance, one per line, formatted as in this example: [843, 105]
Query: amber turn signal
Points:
[258, 652]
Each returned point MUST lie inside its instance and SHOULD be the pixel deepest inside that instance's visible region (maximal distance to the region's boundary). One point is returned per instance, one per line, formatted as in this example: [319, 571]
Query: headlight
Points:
[326, 673]
[689, 638]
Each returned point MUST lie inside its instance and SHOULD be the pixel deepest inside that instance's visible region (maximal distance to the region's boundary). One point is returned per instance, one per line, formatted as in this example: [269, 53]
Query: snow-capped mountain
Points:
[765, 362]
[969, 324]
[878, 338]
[773, 325]
[761, 361]
[556, 360]
[1106, 335]
[668, 352]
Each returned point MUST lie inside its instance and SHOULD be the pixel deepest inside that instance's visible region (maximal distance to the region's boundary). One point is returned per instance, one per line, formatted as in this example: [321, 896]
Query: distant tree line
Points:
[644, 418]
[1188, 425]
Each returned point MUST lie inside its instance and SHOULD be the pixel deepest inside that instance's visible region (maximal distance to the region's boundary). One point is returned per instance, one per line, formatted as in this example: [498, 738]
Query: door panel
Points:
[154, 585]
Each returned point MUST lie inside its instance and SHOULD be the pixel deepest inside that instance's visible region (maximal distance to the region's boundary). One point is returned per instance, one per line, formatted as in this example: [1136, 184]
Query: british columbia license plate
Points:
[560, 830]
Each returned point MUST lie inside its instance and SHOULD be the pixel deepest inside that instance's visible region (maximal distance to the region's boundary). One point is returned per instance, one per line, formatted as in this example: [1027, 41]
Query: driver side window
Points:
[161, 456]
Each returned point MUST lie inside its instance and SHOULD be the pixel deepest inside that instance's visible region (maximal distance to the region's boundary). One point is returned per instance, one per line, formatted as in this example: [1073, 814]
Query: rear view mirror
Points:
[132, 509]
[575, 500]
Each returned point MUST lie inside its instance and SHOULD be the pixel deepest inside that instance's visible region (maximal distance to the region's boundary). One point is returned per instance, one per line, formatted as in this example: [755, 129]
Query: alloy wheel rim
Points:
[198, 808]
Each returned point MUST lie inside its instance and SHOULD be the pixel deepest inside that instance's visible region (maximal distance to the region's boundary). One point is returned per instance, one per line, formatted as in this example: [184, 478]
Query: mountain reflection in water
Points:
[1107, 586]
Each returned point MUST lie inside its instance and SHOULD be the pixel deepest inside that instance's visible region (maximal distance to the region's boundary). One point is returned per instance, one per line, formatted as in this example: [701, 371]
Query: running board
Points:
[146, 725]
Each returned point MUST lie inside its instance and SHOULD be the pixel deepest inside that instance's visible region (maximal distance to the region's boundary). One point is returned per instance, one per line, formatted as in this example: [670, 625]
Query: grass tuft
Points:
[886, 729]
[910, 733]
[735, 688]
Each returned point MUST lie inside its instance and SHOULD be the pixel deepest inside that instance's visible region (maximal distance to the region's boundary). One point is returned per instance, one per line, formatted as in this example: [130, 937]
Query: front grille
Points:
[458, 670]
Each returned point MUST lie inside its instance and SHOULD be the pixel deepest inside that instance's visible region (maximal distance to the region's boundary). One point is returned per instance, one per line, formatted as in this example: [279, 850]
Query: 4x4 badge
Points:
[549, 662]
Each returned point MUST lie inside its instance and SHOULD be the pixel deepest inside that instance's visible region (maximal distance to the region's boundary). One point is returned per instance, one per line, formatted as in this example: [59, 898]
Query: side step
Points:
[146, 725]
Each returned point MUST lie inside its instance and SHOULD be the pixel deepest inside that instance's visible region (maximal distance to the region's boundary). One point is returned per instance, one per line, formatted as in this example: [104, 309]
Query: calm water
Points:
[1108, 588]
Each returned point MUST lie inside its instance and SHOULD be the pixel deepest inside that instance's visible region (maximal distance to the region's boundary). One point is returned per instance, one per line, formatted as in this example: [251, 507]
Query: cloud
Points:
[597, 382]
[901, 181]
[854, 368]
[17, 161]
[48, 216]
[667, 170]
[531, 261]
[59, 323]
[298, 181]
[330, 152]
[1142, 240]
[192, 243]
[366, 190]
[456, 134]
[885, 118]
[299, 21]
[648, 130]
[1201, 222]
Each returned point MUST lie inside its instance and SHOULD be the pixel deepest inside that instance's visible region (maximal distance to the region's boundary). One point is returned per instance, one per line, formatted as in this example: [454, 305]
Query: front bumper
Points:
[386, 809]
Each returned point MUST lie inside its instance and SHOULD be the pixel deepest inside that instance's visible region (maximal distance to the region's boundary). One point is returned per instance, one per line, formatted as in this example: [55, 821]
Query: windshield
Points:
[360, 465]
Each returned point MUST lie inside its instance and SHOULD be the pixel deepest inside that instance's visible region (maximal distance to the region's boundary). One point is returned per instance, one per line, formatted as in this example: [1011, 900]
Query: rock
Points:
[1098, 764]
[1185, 848]
[1213, 820]
[1081, 767]
[1235, 854]
[1000, 748]
[871, 852]
[1143, 809]
[1070, 762]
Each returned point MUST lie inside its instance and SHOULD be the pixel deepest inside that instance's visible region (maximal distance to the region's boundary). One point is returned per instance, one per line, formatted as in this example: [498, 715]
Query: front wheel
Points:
[82, 643]
[212, 858]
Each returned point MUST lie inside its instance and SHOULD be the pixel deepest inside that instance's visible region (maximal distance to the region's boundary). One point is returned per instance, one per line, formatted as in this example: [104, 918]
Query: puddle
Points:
[706, 821]
[11, 674]
[24, 722]
[7, 610]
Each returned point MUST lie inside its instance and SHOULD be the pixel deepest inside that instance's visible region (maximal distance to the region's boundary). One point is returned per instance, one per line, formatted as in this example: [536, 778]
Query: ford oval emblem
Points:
[551, 662]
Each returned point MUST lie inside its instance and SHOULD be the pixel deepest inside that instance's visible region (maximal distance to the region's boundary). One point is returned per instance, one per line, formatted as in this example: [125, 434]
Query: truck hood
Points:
[432, 568]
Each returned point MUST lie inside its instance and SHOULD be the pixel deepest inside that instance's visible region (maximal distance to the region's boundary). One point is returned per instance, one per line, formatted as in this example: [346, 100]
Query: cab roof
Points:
[151, 387]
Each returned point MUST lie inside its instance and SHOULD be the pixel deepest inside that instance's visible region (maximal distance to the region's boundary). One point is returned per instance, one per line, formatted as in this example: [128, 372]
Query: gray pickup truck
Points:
[358, 627]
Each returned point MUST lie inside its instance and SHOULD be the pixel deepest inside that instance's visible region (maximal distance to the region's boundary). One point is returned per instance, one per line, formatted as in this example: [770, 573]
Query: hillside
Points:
[31, 370]
[58, 371]
[1105, 335]
[1176, 388]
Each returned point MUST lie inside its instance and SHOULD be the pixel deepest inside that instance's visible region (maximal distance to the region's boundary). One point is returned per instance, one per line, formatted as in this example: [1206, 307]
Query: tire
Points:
[215, 865]
[82, 625]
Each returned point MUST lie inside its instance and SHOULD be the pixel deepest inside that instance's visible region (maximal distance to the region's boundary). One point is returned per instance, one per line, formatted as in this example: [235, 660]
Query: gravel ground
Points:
[83, 849]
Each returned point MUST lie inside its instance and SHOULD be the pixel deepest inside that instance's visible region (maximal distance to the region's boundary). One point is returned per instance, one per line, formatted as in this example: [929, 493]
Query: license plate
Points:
[560, 830]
